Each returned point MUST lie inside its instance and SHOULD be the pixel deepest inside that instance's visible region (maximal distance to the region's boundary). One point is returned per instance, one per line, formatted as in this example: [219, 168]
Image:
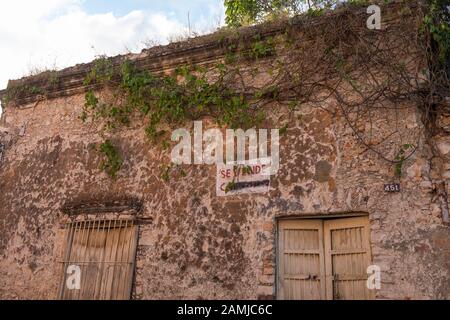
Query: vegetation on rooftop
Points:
[341, 56]
[345, 51]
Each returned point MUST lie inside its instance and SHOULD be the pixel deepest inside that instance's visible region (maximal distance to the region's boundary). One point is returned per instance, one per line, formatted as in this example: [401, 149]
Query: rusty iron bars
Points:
[102, 253]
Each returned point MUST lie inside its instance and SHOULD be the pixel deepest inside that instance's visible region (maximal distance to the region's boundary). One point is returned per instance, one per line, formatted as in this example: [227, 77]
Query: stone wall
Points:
[193, 244]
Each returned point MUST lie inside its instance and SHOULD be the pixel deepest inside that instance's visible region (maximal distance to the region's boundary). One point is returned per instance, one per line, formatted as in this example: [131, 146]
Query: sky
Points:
[37, 35]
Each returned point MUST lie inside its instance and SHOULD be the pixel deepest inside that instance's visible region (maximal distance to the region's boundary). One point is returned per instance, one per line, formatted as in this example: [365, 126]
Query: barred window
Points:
[99, 260]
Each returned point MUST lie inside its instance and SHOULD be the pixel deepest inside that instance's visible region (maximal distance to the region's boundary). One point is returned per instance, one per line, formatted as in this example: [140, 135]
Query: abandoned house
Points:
[88, 188]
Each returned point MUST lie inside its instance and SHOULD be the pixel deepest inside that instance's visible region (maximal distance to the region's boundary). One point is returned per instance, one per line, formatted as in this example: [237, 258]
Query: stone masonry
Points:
[193, 244]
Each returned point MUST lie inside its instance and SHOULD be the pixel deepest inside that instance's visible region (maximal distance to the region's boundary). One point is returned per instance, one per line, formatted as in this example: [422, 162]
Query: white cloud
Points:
[58, 33]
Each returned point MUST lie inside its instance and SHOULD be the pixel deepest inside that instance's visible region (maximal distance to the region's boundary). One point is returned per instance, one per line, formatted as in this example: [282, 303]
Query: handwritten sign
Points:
[235, 179]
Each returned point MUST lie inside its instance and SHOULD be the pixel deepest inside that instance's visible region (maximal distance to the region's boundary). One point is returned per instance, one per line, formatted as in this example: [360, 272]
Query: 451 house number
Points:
[392, 187]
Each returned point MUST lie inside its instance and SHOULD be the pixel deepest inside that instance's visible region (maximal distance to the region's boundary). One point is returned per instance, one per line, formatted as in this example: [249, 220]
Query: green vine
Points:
[230, 186]
[186, 95]
[262, 48]
[163, 101]
[400, 158]
[191, 92]
[437, 21]
[102, 71]
[168, 170]
[112, 161]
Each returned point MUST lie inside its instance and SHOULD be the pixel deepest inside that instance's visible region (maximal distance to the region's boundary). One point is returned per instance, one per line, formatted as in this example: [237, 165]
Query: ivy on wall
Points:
[112, 161]
[191, 92]
[162, 101]
[343, 50]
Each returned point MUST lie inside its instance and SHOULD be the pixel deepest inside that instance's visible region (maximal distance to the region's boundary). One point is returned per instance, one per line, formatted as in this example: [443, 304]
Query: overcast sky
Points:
[42, 34]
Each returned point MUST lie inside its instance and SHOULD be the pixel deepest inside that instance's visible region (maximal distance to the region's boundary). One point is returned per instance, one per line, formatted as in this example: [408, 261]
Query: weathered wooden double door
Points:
[323, 259]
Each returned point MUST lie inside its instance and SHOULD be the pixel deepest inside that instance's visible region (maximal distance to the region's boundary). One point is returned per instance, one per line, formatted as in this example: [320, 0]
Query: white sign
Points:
[251, 177]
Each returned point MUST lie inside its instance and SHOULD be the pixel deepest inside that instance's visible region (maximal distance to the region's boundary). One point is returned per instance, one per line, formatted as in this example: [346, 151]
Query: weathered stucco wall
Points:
[193, 244]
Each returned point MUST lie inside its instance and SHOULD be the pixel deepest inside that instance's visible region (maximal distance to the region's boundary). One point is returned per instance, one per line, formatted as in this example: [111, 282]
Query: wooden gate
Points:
[104, 251]
[323, 259]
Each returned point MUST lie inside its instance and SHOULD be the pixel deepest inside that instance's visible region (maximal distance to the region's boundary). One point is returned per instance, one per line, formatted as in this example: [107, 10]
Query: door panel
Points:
[347, 256]
[323, 259]
[301, 266]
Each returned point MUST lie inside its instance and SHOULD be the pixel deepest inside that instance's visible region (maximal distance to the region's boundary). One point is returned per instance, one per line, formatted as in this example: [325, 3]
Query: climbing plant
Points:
[165, 100]
[185, 95]
[400, 158]
[342, 61]
[112, 161]
[246, 12]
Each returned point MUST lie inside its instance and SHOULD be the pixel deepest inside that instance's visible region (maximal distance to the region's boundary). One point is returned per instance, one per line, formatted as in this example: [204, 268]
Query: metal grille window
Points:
[102, 254]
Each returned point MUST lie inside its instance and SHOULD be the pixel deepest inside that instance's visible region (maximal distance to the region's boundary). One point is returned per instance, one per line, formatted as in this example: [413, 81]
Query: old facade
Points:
[325, 219]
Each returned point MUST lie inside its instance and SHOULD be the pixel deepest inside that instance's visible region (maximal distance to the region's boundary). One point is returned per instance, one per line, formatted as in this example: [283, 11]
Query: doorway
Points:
[322, 259]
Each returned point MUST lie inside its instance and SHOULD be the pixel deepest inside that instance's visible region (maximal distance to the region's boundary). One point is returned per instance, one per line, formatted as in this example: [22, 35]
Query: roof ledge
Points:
[200, 50]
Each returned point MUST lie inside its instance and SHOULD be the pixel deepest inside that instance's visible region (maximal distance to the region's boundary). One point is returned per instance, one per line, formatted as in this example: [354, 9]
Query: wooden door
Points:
[301, 262]
[104, 250]
[323, 259]
[347, 256]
